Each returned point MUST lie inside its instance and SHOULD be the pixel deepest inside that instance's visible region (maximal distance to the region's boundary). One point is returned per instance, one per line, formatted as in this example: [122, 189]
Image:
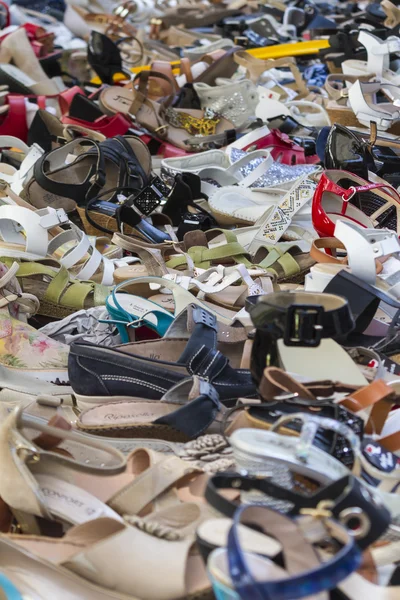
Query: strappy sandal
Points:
[348, 197]
[58, 292]
[306, 578]
[343, 494]
[95, 168]
[364, 248]
[184, 129]
[109, 482]
[319, 466]
[114, 26]
[157, 310]
[42, 236]
[378, 57]
[197, 252]
[255, 67]
[64, 563]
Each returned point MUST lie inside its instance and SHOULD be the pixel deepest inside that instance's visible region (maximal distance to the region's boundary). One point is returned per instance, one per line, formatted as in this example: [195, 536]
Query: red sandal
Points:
[343, 195]
[282, 148]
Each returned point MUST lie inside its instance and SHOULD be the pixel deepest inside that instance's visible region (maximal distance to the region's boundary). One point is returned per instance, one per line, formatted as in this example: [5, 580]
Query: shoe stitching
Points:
[193, 357]
[161, 376]
[210, 364]
[140, 382]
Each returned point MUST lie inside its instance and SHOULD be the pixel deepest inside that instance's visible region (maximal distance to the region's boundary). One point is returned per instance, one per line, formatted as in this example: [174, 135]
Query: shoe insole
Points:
[70, 503]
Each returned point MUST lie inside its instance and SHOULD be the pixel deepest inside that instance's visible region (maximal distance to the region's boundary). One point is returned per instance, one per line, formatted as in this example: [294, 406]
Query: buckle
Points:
[303, 325]
[352, 193]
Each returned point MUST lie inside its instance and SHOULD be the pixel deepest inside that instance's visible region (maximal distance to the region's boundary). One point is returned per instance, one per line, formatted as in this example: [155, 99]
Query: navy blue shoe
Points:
[193, 345]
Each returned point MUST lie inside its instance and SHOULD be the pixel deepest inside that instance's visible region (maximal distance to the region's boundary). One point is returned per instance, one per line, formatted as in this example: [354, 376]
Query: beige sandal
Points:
[185, 129]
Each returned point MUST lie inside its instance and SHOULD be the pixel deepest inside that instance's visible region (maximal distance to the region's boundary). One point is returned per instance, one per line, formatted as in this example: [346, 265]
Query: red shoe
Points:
[107, 126]
[283, 149]
[337, 194]
[14, 121]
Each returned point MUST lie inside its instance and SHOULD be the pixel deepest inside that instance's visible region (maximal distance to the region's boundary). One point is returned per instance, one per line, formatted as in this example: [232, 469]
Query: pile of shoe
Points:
[199, 300]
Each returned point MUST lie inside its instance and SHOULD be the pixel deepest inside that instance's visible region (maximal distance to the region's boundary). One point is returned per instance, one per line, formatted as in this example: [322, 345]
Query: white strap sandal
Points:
[363, 101]
[308, 113]
[16, 179]
[378, 58]
[25, 235]
[364, 247]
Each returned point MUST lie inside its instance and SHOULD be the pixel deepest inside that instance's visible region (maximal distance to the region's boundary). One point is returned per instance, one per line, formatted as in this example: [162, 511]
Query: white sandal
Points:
[72, 247]
[363, 101]
[378, 58]
[232, 205]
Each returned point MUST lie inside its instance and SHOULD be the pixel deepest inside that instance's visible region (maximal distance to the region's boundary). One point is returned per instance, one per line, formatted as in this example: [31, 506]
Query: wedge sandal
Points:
[59, 293]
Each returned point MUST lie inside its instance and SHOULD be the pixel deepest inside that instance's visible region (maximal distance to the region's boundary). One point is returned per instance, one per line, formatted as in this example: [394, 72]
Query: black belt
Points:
[299, 318]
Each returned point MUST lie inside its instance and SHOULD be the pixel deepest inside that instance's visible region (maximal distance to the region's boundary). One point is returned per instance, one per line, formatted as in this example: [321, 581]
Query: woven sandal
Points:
[58, 292]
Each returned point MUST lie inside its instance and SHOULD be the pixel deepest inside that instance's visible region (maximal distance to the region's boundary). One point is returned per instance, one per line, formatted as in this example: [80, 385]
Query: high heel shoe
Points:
[342, 195]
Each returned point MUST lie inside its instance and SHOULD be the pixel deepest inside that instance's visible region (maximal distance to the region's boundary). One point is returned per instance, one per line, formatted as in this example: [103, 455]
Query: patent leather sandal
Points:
[341, 195]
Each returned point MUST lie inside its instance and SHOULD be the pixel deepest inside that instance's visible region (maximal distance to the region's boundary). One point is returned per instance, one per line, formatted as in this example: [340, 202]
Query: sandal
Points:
[102, 479]
[95, 168]
[365, 249]
[350, 198]
[143, 305]
[42, 235]
[308, 578]
[184, 129]
[243, 206]
[59, 294]
[378, 55]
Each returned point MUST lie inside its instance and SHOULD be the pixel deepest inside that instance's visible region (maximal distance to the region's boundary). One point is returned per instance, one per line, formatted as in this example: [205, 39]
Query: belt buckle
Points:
[303, 325]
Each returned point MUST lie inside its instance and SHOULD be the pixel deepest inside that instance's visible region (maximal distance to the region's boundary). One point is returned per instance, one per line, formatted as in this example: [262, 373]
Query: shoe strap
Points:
[309, 576]
[94, 181]
[152, 484]
[340, 93]
[274, 223]
[364, 247]
[195, 416]
[344, 494]
[382, 189]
